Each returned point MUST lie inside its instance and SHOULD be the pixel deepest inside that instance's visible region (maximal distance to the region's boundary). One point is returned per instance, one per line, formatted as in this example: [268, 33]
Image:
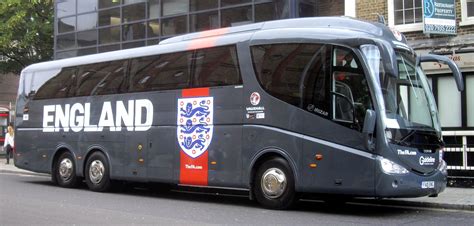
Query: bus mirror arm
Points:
[390, 63]
[445, 60]
[369, 128]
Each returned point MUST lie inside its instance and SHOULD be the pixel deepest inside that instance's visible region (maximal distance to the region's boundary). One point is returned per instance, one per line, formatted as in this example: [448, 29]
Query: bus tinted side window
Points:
[114, 81]
[209, 67]
[61, 86]
[351, 96]
[163, 72]
[217, 66]
[101, 79]
[295, 73]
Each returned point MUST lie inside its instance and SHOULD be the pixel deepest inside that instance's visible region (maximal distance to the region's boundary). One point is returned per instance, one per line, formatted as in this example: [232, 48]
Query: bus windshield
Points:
[411, 115]
[409, 104]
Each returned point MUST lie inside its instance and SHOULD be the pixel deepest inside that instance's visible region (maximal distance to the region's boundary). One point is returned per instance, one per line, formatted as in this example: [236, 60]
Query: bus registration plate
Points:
[427, 184]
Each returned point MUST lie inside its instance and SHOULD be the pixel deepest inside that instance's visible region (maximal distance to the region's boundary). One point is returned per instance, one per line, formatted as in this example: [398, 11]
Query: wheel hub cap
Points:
[96, 171]
[273, 183]
[65, 169]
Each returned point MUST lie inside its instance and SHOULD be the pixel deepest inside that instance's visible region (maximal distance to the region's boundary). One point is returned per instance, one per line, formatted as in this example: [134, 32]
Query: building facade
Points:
[85, 27]
[92, 26]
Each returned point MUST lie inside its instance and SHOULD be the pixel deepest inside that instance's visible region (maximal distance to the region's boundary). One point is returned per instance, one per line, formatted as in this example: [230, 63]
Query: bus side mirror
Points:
[445, 60]
[369, 129]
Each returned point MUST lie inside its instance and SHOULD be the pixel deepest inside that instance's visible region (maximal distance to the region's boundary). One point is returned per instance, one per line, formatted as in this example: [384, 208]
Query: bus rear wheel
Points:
[65, 171]
[274, 185]
[97, 173]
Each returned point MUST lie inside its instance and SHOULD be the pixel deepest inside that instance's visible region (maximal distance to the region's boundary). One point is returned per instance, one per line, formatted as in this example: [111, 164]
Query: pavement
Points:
[451, 198]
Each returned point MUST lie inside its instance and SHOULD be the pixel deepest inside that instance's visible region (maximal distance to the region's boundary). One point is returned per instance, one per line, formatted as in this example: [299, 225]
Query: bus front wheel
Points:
[65, 171]
[274, 185]
[97, 173]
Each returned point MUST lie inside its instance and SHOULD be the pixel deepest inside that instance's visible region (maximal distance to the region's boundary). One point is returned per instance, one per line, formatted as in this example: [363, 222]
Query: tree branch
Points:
[13, 58]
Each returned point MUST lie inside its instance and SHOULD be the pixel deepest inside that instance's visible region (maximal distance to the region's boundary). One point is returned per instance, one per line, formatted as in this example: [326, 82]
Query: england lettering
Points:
[134, 115]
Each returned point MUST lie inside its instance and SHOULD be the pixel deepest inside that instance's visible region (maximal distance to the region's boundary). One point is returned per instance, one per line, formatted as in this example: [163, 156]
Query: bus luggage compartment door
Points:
[136, 155]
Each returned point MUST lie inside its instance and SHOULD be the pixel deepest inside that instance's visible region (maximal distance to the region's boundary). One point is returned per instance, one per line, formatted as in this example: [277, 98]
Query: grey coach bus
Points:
[333, 106]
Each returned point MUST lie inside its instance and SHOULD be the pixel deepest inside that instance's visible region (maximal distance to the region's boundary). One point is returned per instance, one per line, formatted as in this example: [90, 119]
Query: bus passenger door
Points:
[336, 98]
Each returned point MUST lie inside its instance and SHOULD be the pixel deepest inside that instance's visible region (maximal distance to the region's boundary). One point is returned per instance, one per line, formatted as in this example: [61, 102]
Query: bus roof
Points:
[336, 26]
[344, 23]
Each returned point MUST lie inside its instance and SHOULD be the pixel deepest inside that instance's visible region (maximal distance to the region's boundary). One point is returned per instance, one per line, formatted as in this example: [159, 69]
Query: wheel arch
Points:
[265, 155]
[60, 149]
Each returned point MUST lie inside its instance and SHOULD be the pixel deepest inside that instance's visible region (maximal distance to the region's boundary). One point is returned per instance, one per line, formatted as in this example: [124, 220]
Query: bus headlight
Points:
[390, 167]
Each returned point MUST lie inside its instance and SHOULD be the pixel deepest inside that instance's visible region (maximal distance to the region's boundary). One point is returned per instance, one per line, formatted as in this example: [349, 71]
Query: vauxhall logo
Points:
[136, 116]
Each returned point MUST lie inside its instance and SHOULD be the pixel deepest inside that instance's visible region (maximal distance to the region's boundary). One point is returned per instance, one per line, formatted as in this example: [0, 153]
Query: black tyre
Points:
[274, 184]
[64, 173]
[98, 173]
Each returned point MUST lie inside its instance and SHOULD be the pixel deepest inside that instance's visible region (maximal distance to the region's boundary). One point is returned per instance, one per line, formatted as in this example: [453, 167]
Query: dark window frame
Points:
[328, 82]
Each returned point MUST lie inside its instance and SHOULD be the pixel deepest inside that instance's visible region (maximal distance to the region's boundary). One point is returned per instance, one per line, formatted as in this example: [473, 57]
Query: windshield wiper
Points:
[403, 140]
[409, 77]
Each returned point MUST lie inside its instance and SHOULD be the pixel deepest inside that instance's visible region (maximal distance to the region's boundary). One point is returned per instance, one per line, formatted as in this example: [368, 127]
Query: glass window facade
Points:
[87, 21]
[65, 8]
[67, 24]
[87, 38]
[91, 26]
[310, 8]
[86, 6]
[109, 17]
[204, 21]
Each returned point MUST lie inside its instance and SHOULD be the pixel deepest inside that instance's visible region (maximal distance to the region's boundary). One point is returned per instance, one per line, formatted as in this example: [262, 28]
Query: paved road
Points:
[34, 200]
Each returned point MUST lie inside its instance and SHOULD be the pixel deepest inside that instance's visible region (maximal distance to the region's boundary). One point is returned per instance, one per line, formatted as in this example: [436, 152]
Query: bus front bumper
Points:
[410, 185]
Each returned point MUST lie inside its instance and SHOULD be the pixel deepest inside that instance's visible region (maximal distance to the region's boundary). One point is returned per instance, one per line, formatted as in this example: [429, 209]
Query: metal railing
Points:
[459, 155]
